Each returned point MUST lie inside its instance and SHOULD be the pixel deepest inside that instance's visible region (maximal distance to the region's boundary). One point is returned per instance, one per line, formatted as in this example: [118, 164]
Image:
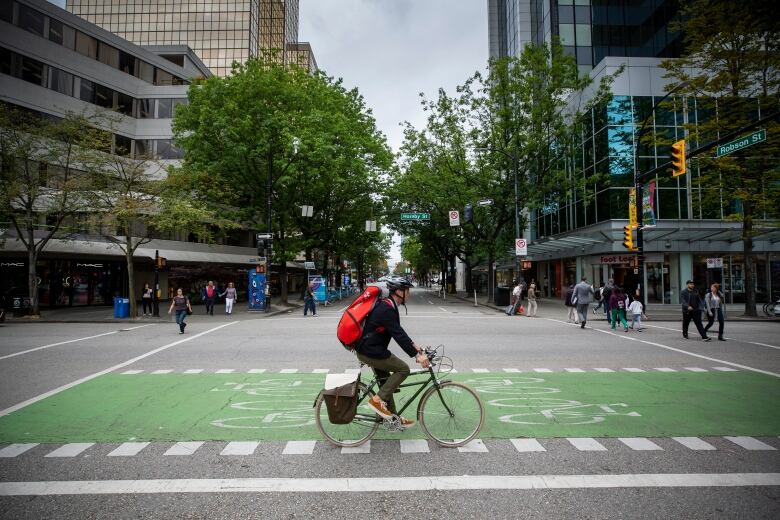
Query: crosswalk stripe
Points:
[225, 371]
[70, 450]
[166, 371]
[193, 371]
[725, 369]
[665, 369]
[131, 372]
[13, 450]
[574, 370]
[474, 446]
[128, 449]
[240, 448]
[288, 371]
[414, 446]
[695, 369]
[184, 448]
[749, 443]
[543, 370]
[320, 371]
[362, 449]
[256, 370]
[633, 370]
[526, 445]
[299, 448]
[586, 444]
[603, 370]
[639, 443]
[694, 443]
[512, 370]
[480, 370]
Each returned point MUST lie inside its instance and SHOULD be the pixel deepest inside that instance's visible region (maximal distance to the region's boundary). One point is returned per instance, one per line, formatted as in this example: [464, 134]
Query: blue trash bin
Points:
[117, 307]
[124, 308]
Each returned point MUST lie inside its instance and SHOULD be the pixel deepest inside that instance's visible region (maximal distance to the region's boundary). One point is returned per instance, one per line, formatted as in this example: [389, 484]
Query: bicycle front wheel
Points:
[452, 414]
[362, 427]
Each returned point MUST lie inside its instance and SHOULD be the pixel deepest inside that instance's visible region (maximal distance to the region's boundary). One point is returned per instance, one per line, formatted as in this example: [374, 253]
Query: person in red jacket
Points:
[382, 325]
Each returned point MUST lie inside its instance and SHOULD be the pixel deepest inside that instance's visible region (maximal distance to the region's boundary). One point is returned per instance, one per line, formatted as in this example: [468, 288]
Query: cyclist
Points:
[383, 324]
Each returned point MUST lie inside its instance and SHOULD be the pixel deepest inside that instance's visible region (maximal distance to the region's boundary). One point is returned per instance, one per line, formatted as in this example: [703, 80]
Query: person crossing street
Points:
[692, 306]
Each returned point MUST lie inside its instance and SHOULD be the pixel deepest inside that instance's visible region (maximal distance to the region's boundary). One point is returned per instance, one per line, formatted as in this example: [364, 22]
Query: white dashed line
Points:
[634, 370]
[640, 444]
[480, 370]
[193, 371]
[131, 372]
[184, 448]
[414, 446]
[288, 371]
[604, 370]
[586, 444]
[14, 450]
[225, 371]
[165, 371]
[694, 443]
[240, 448]
[695, 369]
[749, 443]
[128, 449]
[70, 450]
[364, 448]
[527, 445]
[257, 370]
[574, 370]
[299, 448]
[474, 446]
[665, 369]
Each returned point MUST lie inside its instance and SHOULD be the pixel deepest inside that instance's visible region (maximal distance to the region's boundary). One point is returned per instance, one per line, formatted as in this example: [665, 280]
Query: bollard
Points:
[475, 298]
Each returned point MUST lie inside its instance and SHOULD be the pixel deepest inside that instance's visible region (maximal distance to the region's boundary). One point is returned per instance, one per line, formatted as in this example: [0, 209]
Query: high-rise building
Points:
[582, 232]
[218, 31]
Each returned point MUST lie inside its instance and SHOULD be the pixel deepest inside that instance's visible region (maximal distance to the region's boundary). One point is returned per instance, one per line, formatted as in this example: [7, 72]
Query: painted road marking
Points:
[414, 446]
[128, 449]
[70, 450]
[681, 351]
[16, 449]
[320, 371]
[240, 448]
[749, 443]
[542, 370]
[762, 344]
[666, 369]
[299, 448]
[633, 370]
[288, 371]
[586, 444]
[256, 370]
[193, 371]
[480, 370]
[526, 445]
[184, 448]
[512, 370]
[725, 369]
[225, 370]
[605, 370]
[640, 443]
[56, 345]
[131, 372]
[445, 310]
[535, 483]
[694, 443]
[114, 368]
[362, 449]
[163, 371]
[574, 370]
[473, 446]
[694, 369]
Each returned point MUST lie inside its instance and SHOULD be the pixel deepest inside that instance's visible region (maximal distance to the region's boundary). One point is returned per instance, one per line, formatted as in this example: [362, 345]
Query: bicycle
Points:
[771, 308]
[450, 413]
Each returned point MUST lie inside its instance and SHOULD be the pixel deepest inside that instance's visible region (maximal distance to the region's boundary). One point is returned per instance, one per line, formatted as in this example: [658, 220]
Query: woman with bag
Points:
[715, 305]
[182, 305]
[571, 302]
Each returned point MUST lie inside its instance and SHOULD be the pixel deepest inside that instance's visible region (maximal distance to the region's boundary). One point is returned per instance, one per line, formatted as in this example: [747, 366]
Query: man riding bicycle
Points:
[382, 324]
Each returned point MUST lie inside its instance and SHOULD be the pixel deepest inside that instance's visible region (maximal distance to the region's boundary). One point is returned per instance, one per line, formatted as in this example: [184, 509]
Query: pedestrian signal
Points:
[628, 241]
[468, 214]
[678, 158]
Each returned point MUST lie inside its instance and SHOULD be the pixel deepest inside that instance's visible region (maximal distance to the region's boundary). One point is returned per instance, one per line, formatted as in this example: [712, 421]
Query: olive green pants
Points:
[390, 373]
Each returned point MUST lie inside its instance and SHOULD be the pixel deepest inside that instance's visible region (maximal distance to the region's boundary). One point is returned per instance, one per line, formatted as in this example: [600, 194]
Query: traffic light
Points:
[468, 213]
[161, 262]
[678, 158]
[264, 246]
[628, 243]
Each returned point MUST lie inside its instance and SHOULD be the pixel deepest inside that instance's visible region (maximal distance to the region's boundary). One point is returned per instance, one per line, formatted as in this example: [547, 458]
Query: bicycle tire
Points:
[349, 435]
[444, 430]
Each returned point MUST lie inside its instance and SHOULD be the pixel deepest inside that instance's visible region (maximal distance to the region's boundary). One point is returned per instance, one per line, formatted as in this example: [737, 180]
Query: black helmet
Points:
[398, 282]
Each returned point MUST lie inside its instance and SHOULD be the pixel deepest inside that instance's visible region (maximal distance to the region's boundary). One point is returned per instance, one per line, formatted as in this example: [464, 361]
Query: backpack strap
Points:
[364, 333]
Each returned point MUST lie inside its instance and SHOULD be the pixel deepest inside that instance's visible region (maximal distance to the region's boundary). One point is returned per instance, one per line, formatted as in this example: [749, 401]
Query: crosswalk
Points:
[308, 447]
[541, 370]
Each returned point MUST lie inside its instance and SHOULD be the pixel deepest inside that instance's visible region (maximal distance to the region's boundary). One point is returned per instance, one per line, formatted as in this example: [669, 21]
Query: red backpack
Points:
[350, 328]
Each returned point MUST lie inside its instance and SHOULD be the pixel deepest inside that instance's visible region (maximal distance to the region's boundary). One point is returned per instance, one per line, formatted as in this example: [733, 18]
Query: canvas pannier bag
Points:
[341, 401]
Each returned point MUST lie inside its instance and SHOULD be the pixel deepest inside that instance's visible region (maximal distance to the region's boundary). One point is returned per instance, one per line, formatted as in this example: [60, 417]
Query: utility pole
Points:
[155, 293]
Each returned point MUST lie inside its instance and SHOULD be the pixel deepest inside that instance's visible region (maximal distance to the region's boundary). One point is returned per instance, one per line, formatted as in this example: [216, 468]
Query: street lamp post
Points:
[638, 186]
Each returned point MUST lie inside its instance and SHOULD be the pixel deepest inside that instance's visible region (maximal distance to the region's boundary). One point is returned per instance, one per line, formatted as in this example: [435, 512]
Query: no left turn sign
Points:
[521, 247]
[454, 218]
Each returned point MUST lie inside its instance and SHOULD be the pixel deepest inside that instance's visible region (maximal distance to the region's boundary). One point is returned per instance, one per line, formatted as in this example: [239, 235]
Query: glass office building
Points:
[580, 232]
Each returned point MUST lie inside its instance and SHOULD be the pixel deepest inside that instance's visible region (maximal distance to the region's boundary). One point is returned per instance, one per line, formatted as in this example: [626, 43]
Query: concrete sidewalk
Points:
[105, 314]
[554, 308]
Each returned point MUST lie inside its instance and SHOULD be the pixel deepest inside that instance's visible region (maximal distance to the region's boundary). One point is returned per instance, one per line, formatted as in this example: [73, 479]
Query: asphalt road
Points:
[732, 478]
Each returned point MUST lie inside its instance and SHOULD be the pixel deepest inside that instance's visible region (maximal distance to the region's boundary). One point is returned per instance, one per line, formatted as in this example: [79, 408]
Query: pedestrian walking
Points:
[606, 295]
[146, 299]
[514, 302]
[692, 305]
[308, 300]
[231, 296]
[617, 304]
[532, 300]
[715, 305]
[583, 295]
[598, 294]
[567, 301]
[637, 311]
[182, 306]
[209, 295]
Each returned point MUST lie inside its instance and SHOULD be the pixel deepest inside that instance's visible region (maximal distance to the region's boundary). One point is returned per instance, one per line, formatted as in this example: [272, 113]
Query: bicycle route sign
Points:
[415, 216]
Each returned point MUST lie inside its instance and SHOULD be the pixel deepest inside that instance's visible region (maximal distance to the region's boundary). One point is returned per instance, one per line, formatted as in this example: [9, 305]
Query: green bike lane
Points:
[117, 408]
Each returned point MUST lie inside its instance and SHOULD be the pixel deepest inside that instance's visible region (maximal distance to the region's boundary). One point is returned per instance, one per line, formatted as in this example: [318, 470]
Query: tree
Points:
[731, 65]
[42, 177]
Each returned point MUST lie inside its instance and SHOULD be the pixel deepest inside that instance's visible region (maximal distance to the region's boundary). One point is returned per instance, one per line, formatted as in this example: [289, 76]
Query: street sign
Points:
[485, 202]
[308, 265]
[454, 218]
[739, 144]
[415, 216]
[370, 225]
[521, 247]
[715, 263]
[263, 236]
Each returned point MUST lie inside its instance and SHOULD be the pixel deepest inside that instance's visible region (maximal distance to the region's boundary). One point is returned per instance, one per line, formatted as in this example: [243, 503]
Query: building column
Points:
[686, 268]
[578, 277]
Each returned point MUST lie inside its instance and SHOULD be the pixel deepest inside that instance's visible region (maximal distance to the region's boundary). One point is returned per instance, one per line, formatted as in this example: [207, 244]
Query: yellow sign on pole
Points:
[632, 208]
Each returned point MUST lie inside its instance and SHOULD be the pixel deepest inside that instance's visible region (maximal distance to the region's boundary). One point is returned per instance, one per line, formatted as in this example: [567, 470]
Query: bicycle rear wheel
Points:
[362, 427]
[452, 415]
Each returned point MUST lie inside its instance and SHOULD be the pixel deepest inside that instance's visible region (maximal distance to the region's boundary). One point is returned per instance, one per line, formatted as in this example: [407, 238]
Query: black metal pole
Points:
[517, 219]
[155, 300]
[269, 247]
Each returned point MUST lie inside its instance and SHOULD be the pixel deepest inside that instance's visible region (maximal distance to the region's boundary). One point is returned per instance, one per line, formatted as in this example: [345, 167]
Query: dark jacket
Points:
[204, 294]
[691, 298]
[569, 294]
[383, 324]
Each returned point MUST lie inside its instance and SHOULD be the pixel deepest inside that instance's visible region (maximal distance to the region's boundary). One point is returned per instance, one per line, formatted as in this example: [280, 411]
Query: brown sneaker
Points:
[380, 407]
[407, 423]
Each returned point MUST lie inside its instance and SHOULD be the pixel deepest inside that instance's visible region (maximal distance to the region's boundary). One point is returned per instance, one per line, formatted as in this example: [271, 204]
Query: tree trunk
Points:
[130, 275]
[750, 267]
[453, 275]
[491, 277]
[32, 279]
[283, 289]
[469, 282]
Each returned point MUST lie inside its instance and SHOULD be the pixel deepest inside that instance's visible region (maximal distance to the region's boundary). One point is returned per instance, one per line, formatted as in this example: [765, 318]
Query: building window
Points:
[124, 104]
[32, 71]
[104, 96]
[127, 63]
[166, 150]
[122, 144]
[86, 45]
[7, 11]
[87, 91]
[164, 108]
[6, 61]
[146, 71]
[163, 78]
[108, 55]
[31, 20]
[143, 148]
[144, 109]
[60, 81]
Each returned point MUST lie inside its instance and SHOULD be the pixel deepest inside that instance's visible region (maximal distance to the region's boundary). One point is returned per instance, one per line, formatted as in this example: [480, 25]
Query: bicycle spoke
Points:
[453, 415]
